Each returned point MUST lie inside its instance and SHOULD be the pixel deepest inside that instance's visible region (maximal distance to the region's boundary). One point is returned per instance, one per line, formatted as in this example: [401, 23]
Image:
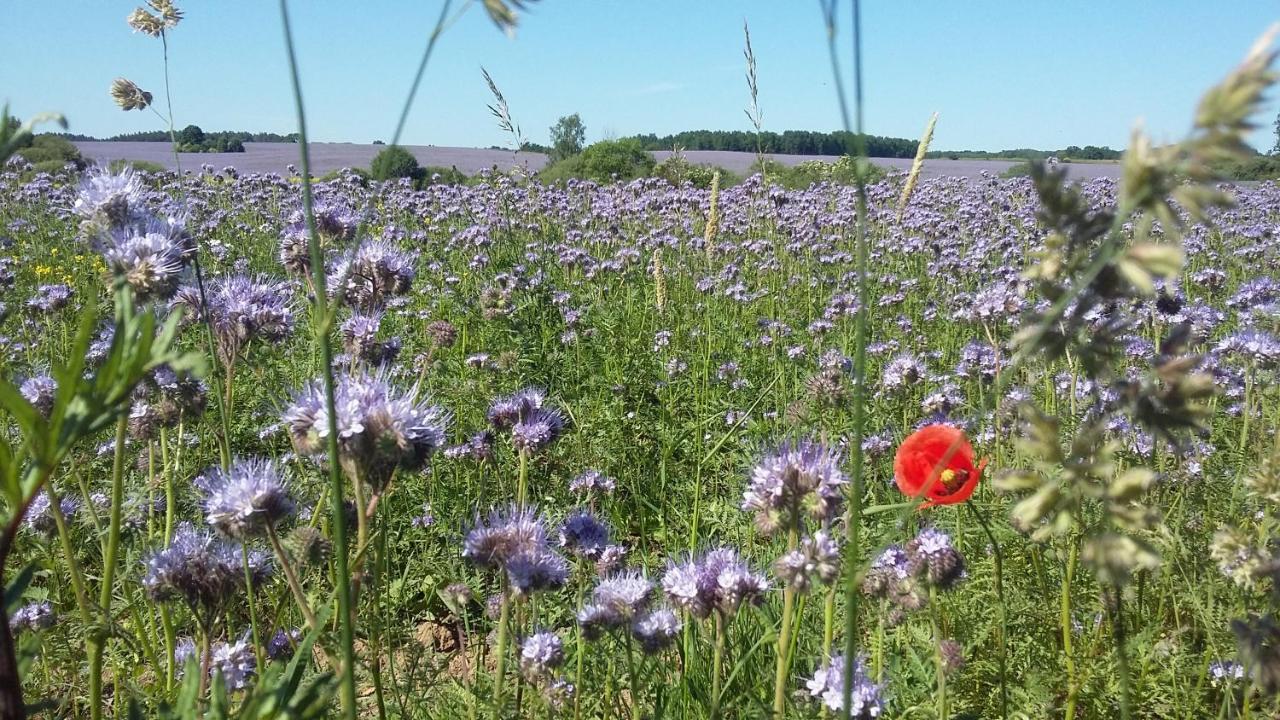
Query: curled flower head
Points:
[496, 540]
[33, 616]
[936, 463]
[380, 427]
[816, 560]
[582, 534]
[538, 429]
[246, 499]
[201, 569]
[718, 581]
[795, 481]
[108, 199]
[372, 274]
[624, 596]
[656, 629]
[932, 557]
[508, 410]
[148, 258]
[592, 482]
[40, 391]
[240, 309]
[540, 654]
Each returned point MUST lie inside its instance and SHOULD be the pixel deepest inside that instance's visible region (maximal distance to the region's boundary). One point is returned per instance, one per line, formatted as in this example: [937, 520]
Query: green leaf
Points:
[14, 590]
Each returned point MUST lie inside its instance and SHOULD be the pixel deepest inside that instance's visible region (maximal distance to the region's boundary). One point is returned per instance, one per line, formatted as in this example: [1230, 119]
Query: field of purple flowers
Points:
[572, 413]
[922, 448]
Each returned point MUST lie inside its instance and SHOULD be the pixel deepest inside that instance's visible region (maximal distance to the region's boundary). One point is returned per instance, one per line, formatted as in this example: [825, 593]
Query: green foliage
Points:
[363, 175]
[790, 142]
[810, 172]
[1017, 170]
[568, 136]
[677, 170]
[46, 148]
[624, 159]
[1261, 167]
[145, 166]
[394, 162]
[437, 175]
[191, 135]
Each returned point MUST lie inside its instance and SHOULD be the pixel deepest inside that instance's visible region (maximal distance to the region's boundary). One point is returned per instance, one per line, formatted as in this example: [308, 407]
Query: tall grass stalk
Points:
[853, 517]
[322, 321]
[917, 165]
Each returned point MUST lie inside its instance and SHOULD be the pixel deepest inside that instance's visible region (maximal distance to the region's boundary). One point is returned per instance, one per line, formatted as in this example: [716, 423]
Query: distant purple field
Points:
[326, 157]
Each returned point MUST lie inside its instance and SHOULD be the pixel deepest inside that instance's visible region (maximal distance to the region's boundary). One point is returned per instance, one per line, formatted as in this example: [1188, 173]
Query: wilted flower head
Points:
[793, 482]
[246, 499]
[380, 427]
[718, 581]
[128, 95]
[827, 685]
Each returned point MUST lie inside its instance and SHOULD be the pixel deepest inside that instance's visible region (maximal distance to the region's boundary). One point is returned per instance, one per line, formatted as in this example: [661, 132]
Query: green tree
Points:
[626, 159]
[191, 135]
[394, 162]
[568, 136]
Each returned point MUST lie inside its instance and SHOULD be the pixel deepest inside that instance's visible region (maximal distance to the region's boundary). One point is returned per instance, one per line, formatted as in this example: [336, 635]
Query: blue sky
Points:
[1002, 73]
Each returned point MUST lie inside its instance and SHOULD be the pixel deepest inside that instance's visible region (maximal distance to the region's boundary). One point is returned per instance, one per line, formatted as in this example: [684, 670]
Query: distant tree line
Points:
[1071, 152]
[790, 142]
[163, 136]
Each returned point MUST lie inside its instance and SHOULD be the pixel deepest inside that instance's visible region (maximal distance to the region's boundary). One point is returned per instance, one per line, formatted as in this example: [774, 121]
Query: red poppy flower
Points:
[936, 463]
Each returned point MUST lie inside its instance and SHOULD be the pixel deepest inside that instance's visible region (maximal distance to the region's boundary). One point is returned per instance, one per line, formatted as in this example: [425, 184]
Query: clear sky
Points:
[1002, 73]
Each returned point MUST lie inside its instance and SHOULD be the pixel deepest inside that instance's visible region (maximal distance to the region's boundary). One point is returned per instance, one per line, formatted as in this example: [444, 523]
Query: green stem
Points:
[1122, 655]
[522, 485]
[253, 610]
[500, 662]
[1064, 620]
[782, 667]
[291, 578]
[936, 621]
[828, 631]
[997, 557]
[717, 667]
[322, 321]
[97, 645]
[632, 677]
